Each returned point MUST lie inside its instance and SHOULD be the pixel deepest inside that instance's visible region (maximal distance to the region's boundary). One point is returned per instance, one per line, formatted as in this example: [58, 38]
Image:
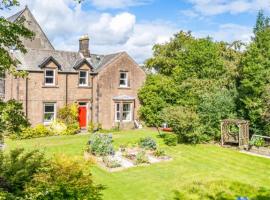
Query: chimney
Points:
[84, 46]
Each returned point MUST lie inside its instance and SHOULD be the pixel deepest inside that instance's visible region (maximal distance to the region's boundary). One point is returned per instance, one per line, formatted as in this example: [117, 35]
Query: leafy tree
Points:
[12, 118]
[255, 79]
[261, 23]
[158, 92]
[11, 38]
[191, 72]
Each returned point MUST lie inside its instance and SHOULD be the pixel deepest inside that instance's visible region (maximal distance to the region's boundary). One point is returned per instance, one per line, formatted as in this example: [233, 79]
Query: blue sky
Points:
[136, 25]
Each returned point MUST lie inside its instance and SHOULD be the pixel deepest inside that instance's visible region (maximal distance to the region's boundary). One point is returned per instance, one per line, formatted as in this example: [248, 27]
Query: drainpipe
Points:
[92, 99]
[26, 97]
[66, 89]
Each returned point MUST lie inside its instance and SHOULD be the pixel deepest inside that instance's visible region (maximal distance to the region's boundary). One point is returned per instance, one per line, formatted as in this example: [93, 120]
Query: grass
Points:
[203, 164]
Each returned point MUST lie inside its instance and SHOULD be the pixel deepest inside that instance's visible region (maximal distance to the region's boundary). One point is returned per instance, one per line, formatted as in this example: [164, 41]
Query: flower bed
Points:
[131, 157]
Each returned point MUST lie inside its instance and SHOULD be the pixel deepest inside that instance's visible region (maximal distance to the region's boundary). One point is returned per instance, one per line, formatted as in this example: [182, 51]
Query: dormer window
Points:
[83, 78]
[49, 77]
[123, 79]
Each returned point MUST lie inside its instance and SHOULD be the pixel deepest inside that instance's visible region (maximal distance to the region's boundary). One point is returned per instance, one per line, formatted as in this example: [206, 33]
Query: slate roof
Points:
[32, 60]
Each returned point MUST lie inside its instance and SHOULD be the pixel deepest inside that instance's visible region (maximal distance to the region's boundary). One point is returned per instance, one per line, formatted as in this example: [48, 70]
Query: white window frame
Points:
[123, 79]
[45, 76]
[44, 113]
[117, 111]
[86, 79]
[121, 112]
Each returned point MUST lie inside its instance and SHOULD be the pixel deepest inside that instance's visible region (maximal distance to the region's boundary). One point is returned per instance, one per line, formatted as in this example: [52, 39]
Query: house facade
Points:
[105, 87]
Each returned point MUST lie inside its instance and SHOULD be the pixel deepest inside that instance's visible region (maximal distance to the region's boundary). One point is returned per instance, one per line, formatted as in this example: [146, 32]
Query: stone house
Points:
[104, 86]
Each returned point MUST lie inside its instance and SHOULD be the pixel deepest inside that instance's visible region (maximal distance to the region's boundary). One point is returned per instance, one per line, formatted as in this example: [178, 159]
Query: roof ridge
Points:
[16, 15]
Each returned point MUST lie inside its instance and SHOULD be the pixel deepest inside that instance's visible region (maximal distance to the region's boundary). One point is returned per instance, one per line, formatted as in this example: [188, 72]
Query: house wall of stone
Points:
[104, 87]
[38, 93]
[40, 40]
[108, 86]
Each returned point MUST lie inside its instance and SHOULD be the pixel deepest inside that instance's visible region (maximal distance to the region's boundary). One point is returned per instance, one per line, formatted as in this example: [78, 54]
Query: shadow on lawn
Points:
[221, 190]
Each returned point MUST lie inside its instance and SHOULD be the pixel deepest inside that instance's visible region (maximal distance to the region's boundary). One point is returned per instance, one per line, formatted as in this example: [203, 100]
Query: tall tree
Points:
[261, 23]
[11, 38]
[195, 73]
[255, 78]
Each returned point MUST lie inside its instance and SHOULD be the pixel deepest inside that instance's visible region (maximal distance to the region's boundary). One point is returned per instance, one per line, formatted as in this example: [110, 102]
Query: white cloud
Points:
[229, 33]
[215, 7]
[105, 4]
[65, 21]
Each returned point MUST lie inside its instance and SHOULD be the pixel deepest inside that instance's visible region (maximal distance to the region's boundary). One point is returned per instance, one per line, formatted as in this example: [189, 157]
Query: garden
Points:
[203, 171]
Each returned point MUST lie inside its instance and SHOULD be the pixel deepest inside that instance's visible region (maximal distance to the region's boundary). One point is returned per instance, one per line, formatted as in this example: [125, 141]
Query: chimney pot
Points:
[84, 46]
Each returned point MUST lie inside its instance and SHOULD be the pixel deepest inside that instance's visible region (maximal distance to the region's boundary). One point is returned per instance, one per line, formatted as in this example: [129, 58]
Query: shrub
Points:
[64, 179]
[170, 139]
[159, 153]
[111, 163]
[141, 158]
[220, 190]
[184, 122]
[28, 175]
[38, 131]
[72, 129]
[12, 118]
[148, 143]
[17, 169]
[68, 114]
[101, 144]
[58, 128]
[257, 142]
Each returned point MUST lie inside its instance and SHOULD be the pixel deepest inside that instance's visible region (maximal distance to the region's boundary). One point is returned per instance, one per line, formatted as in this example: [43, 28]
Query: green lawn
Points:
[200, 163]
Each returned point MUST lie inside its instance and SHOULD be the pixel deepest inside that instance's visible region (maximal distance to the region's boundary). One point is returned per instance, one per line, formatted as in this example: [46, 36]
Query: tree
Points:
[11, 38]
[190, 72]
[255, 79]
[261, 23]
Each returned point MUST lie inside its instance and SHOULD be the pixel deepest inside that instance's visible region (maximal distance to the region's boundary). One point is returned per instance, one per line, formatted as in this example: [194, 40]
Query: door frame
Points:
[86, 104]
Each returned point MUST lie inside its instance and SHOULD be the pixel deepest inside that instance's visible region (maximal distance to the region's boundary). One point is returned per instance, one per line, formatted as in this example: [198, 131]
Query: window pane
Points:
[118, 116]
[126, 116]
[49, 108]
[48, 117]
[122, 82]
[118, 107]
[49, 80]
[82, 81]
[123, 75]
[49, 73]
[82, 74]
[126, 107]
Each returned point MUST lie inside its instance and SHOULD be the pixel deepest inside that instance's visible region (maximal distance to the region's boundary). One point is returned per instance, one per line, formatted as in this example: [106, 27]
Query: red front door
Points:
[82, 117]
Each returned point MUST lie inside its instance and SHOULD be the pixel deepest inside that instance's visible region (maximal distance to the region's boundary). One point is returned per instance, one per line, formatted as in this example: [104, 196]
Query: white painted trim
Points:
[87, 79]
[55, 113]
[126, 80]
[121, 112]
[54, 77]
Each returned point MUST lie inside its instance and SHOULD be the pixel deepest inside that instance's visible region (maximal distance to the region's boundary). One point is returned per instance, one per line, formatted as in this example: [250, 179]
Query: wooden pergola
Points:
[240, 138]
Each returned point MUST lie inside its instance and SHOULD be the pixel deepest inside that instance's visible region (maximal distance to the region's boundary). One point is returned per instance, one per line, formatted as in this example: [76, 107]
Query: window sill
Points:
[124, 88]
[84, 87]
[47, 123]
[124, 121]
[50, 86]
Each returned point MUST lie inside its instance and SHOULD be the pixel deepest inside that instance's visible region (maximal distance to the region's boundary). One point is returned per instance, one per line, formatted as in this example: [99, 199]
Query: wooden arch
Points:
[241, 138]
